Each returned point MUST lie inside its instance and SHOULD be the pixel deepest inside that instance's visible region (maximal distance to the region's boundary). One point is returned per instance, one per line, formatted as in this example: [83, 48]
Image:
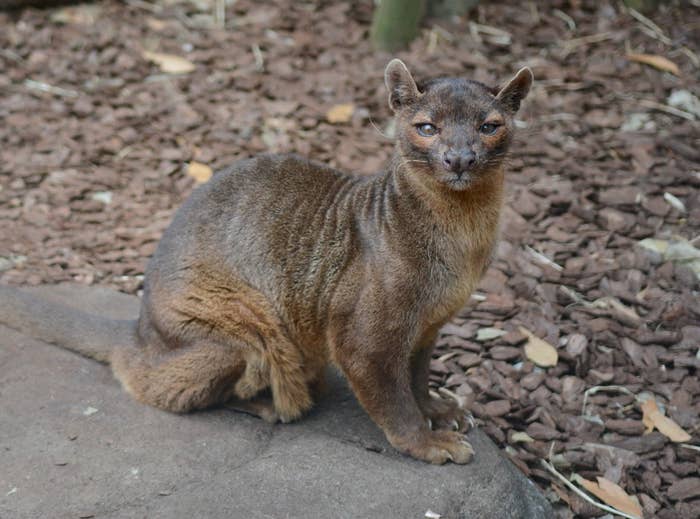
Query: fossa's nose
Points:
[458, 161]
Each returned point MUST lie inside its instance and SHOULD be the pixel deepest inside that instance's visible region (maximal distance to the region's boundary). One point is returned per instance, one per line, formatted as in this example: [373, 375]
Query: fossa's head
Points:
[453, 129]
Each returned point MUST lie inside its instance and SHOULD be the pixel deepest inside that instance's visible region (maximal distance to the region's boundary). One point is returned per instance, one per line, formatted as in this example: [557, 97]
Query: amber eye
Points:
[426, 129]
[489, 128]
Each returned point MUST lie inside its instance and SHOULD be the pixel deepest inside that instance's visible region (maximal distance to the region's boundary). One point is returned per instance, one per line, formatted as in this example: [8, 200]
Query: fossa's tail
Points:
[89, 335]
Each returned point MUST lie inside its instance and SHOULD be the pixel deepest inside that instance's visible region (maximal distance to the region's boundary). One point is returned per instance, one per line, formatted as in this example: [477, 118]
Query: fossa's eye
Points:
[426, 129]
[489, 128]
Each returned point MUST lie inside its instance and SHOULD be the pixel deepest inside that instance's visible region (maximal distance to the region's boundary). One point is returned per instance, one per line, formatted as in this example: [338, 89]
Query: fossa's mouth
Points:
[459, 182]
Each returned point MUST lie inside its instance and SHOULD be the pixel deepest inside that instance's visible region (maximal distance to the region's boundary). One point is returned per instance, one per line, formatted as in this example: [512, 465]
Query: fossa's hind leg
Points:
[180, 381]
[231, 344]
[208, 374]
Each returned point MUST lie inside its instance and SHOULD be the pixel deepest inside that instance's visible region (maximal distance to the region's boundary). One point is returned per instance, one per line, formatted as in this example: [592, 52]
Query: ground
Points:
[602, 217]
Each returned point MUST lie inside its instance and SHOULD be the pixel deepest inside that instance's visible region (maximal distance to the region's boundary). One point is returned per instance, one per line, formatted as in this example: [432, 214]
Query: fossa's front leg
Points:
[443, 413]
[381, 380]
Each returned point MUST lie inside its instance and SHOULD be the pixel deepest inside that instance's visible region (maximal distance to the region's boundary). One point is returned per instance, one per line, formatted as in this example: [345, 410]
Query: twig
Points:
[593, 390]
[567, 19]
[569, 45]
[574, 296]
[45, 87]
[499, 36]
[648, 103]
[543, 259]
[492, 31]
[646, 30]
[259, 59]
[220, 13]
[692, 447]
[154, 8]
[583, 495]
[692, 56]
[432, 41]
[534, 13]
[659, 33]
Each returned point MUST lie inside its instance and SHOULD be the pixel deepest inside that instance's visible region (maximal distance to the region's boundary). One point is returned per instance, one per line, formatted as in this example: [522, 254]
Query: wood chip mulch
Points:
[600, 233]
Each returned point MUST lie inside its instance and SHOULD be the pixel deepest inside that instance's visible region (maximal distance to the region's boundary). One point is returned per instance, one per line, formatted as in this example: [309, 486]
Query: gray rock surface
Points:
[73, 445]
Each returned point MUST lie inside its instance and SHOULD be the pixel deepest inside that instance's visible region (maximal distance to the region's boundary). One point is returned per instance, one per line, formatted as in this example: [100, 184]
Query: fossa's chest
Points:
[461, 265]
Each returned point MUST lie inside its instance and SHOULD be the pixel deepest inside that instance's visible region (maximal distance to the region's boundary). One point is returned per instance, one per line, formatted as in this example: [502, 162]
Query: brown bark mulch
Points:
[95, 139]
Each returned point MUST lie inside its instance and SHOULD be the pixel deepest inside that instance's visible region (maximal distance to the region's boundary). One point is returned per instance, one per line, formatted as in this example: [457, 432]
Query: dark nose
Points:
[459, 161]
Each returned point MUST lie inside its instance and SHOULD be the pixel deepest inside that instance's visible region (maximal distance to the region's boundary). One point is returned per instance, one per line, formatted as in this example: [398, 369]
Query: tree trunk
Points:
[395, 23]
[16, 4]
[445, 8]
[643, 6]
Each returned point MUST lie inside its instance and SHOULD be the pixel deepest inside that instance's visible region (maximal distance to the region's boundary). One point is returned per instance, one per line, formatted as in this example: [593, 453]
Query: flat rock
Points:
[73, 444]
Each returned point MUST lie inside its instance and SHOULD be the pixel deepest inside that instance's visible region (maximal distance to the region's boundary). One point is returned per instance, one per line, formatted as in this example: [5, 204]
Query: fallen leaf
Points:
[678, 250]
[520, 436]
[486, 334]
[656, 61]
[658, 246]
[538, 351]
[684, 100]
[169, 63]
[155, 24]
[613, 495]
[78, 15]
[102, 196]
[675, 202]
[652, 417]
[340, 113]
[198, 171]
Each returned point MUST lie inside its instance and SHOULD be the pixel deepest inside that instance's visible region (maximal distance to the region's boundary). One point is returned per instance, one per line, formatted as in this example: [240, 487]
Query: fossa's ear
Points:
[402, 88]
[515, 90]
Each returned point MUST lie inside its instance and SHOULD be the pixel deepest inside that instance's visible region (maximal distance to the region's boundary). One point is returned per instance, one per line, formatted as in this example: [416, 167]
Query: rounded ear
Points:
[516, 90]
[402, 88]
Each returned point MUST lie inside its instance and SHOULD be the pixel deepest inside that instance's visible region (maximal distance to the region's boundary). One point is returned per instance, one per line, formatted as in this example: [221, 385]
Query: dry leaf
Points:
[520, 436]
[169, 63]
[487, 334]
[656, 61]
[675, 202]
[79, 15]
[340, 113]
[652, 417]
[198, 171]
[613, 495]
[155, 24]
[538, 351]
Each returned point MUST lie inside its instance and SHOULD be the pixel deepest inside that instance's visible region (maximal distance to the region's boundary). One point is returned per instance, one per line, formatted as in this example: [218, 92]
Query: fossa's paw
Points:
[260, 406]
[443, 413]
[438, 447]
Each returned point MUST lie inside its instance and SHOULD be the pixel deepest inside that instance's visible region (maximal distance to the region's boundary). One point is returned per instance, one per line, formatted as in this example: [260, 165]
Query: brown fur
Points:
[280, 265]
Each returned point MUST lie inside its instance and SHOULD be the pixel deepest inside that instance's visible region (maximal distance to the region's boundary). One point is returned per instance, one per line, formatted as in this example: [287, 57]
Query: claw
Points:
[430, 424]
[470, 419]
[455, 425]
